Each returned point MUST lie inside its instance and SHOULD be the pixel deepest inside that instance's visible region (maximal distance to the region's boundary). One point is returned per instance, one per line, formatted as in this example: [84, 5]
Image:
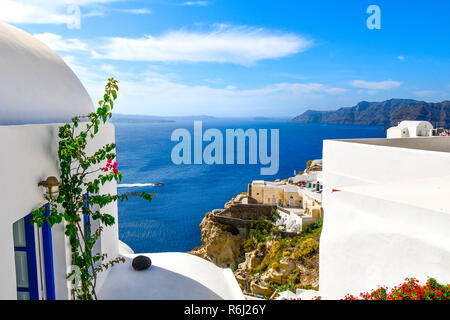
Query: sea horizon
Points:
[171, 222]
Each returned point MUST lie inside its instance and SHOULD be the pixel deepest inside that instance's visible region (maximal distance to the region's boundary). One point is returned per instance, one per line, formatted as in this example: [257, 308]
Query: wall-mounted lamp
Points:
[51, 186]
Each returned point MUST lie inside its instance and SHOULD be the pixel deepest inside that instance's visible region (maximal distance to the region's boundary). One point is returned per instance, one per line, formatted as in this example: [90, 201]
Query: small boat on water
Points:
[159, 184]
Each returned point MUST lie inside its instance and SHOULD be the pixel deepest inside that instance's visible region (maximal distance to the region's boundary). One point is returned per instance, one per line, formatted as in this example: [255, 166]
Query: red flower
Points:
[410, 290]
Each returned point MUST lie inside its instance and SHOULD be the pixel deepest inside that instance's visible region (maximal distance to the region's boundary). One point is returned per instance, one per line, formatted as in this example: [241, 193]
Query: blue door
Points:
[34, 261]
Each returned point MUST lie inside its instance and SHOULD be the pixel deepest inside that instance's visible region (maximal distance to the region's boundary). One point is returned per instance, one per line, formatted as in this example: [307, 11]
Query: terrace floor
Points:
[172, 276]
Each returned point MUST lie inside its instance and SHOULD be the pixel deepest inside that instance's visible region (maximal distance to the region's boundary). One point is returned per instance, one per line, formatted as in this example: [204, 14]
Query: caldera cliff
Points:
[266, 259]
[385, 113]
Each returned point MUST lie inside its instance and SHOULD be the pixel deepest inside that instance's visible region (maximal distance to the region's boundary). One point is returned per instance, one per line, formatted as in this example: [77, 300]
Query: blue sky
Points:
[245, 58]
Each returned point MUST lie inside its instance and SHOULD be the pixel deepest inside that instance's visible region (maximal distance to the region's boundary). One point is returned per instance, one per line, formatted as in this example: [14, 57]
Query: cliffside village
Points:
[227, 243]
[298, 199]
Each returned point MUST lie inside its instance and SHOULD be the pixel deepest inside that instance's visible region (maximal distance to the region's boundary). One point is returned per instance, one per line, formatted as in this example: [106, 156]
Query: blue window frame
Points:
[48, 257]
[26, 261]
[87, 219]
[25, 258]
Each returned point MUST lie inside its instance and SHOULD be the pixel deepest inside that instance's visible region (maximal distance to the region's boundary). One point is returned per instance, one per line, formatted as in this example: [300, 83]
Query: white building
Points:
[410, 129]
[38, 91]
[387, 213]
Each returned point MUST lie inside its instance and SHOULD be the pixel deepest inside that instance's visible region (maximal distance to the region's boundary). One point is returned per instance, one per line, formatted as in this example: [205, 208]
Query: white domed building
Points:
[410, 129]
[38, 92]
[36, 85]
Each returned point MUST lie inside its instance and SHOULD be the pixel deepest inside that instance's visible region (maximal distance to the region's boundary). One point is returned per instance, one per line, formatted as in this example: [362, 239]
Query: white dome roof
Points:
[36, 85]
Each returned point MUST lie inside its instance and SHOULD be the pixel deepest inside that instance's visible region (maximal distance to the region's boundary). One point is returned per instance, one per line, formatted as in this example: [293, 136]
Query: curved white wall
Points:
[391, 218]
[368, 242]
[36, 85]
[172, 276]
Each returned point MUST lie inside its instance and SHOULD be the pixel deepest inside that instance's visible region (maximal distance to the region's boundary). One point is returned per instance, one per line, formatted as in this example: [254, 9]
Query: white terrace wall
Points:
[29, 155]
[368, 242]
[351, 163]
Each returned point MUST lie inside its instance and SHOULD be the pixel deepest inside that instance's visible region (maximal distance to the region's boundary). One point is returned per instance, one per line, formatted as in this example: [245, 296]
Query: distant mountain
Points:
[117, 117]
[131, 118]
[386, 113]
[199, 117]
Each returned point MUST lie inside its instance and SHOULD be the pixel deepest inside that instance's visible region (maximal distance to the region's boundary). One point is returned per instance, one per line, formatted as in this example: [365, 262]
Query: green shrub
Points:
[309, 247]
[294, 276]
[274, 255]
[275, 265]
[261, 246]
[275, 215]
[287, 286]
[313, 230]
[261, 229]
[286, 254]
[297, 254]
[294, 241]
[249, 244]
[306, 287]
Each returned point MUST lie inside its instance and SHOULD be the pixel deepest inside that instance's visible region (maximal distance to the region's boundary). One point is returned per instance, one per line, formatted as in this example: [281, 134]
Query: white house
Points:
[410, 129]
[38, 91]
[387, 213]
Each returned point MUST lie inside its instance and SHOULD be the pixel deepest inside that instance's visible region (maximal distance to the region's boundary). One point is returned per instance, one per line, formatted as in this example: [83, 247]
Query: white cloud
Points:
[424, 93]
[401, 58]
[374, 85]
[216, 80]
[432, 94]
[107, 68]
[136, 11]
[167, 97]
[155, 92]
[57, 43]
[196, 3]
[224, 44]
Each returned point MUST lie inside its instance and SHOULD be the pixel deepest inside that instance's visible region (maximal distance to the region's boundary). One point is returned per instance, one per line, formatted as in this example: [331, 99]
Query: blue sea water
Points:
[171, 221]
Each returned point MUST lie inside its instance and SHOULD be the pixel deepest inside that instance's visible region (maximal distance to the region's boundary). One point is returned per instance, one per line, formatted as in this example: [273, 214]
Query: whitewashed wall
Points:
[29, 155]
[368, 241]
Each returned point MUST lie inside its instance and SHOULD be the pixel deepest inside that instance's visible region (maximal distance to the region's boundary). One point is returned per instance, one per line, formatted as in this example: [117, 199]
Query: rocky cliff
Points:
[220, 243]
[266, 260]
[386, 113]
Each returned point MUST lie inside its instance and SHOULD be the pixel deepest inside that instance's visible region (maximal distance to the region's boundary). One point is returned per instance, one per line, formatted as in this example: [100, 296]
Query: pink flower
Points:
[105, 169]
[115, 170]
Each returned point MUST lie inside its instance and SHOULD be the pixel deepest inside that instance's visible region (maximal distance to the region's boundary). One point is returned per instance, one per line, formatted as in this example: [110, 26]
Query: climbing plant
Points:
[81, 178]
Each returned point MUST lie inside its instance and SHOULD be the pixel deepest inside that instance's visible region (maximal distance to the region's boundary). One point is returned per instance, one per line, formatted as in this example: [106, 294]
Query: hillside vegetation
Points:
[268, 259]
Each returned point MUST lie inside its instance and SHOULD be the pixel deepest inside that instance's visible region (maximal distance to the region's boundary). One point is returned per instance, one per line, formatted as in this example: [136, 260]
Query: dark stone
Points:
[141, 263]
